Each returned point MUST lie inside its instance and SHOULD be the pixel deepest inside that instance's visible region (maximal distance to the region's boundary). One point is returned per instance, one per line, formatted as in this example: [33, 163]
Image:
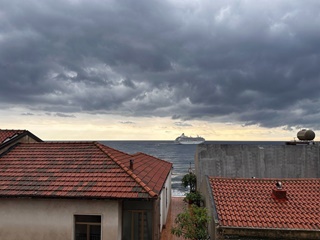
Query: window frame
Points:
[87, 223]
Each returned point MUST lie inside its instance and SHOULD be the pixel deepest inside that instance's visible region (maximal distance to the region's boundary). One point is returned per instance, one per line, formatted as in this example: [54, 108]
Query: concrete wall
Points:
[53, 219]
[261, 161]
[209, 204]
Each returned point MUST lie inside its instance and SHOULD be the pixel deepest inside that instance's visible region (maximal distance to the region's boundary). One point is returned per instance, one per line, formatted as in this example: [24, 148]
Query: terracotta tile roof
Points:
[6, 134]
[73, 170]
[150, 170]
[248, 203]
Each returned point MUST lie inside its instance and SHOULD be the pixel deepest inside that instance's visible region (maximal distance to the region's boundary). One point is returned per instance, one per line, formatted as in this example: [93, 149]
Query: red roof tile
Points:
[77, 169]
[6, 134]
[150, 171]
[249, 203]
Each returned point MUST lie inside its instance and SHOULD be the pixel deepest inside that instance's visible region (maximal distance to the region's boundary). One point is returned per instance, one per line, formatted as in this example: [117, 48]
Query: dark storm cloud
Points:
[256, 62]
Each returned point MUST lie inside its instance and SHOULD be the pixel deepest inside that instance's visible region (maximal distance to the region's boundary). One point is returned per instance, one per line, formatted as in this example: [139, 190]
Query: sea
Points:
[182, 156]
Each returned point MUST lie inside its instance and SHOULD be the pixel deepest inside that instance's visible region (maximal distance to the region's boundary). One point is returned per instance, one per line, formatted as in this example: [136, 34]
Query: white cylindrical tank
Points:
[306, 135]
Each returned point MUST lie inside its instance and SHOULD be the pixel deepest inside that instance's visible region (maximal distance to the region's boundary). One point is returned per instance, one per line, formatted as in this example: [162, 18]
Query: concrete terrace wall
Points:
[261, 161]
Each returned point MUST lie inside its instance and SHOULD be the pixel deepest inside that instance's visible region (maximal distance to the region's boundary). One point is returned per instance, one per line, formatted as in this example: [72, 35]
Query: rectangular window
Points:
[140, 229]
[137, 221]
[87, 227]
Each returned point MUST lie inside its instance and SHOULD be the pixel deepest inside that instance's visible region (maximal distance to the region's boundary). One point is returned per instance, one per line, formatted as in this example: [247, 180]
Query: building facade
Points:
[81, 191]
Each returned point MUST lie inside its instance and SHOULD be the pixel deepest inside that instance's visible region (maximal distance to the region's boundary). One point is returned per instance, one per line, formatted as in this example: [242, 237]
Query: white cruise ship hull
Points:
[189, 140]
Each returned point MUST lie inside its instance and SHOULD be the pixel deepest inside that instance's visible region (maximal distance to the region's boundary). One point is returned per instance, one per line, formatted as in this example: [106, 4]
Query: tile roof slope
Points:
[147, 170]
[73, 170]
[152, 170]
[6, 134]
[248, 203]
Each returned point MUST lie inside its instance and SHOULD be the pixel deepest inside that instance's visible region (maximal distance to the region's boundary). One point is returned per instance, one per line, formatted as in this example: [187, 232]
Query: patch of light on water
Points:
[178, 182]
[177, 193]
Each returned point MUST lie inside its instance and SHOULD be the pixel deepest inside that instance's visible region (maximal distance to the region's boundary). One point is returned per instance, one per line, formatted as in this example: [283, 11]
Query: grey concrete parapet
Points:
[260, 161]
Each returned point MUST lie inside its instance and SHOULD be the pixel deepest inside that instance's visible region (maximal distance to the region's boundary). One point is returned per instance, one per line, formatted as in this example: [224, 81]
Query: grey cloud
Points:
[64, 115]
[27, 114]
[175, 117]
[248, 61]
[182, 124]
[127, 122]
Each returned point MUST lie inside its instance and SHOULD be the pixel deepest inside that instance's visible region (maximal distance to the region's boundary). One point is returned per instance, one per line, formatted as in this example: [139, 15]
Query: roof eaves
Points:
[12, 138]
[9, 149]
[129, 172]
[28, 196]
[269, 229]
[18, 136]
[268, 233]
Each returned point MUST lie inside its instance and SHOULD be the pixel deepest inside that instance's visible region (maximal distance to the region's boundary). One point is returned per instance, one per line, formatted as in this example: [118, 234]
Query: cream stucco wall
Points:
[165, 197]
[53, 219]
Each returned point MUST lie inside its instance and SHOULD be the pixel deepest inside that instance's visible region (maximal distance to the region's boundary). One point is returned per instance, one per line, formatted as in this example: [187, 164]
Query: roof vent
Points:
[131, 164]
[279, 193]
[279, 185]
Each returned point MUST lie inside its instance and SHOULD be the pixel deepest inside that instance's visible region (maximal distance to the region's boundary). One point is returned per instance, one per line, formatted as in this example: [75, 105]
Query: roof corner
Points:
[151, 193]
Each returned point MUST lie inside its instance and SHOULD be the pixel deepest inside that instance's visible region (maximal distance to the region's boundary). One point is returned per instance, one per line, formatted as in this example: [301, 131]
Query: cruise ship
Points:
[183, 139]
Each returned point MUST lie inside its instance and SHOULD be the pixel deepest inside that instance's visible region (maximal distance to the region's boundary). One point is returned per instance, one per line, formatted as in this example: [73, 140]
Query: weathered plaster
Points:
[260, 161]
[53, 219]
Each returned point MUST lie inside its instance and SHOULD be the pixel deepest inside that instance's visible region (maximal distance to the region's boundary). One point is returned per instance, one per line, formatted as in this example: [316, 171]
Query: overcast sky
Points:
[187, 65]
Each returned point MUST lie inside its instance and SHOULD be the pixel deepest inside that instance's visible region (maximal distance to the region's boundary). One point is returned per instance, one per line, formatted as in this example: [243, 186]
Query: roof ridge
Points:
[6, 129]
[65, 142]
[127, 170]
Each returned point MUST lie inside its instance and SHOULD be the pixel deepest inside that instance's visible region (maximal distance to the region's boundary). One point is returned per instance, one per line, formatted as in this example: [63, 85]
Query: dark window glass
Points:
[137, 225]
[87, 227]
[95, 232]
[88, 218]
